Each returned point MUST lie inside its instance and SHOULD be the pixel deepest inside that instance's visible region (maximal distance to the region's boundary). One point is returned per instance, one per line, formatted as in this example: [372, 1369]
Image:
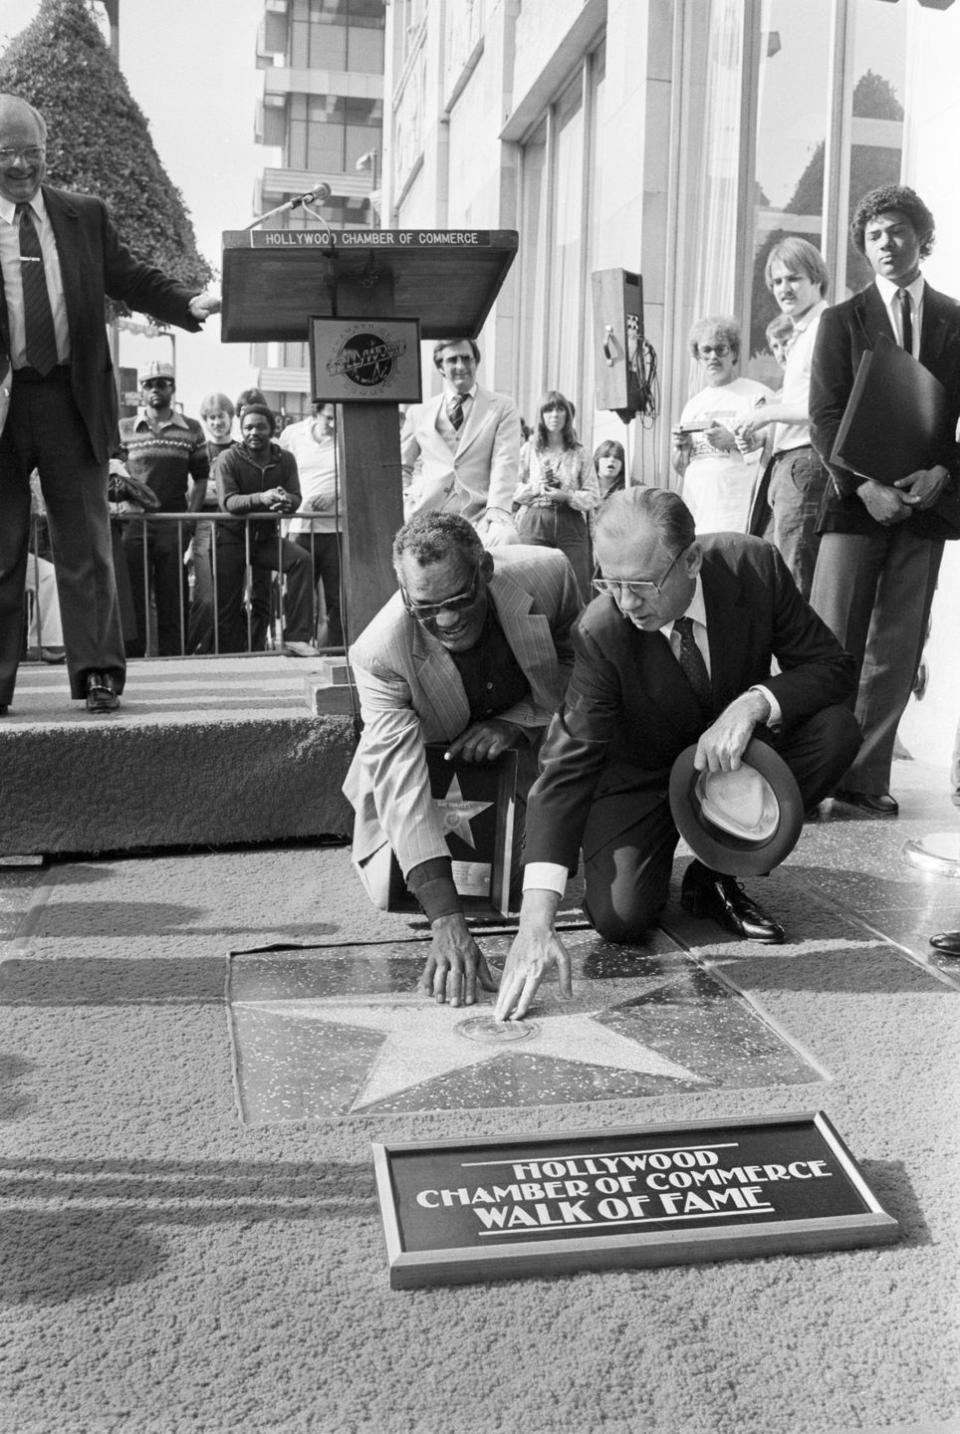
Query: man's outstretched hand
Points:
[456, 967]
[484, 741]
[536, 948]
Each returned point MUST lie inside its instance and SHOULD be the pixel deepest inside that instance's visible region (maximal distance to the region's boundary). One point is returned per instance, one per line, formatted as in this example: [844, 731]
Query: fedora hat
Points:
[740, 823]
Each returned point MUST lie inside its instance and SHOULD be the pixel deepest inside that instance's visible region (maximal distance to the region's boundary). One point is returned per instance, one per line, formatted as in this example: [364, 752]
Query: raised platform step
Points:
[203, 752]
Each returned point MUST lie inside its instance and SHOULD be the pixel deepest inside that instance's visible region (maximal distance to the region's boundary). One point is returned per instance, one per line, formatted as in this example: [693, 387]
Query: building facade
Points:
[677, 140]
[322, 109]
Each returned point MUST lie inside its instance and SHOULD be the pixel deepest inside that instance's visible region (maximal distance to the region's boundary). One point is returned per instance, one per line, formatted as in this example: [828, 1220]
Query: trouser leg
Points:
[795, 494]
[14, 539]
[627, 873]
[894, 645]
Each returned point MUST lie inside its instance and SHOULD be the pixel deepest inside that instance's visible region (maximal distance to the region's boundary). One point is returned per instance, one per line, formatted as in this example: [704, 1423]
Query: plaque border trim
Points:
[524, 1258]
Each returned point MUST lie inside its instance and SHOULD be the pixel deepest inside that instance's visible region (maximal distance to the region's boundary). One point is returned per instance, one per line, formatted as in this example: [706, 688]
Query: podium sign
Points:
[365, 361]
[458, 1211]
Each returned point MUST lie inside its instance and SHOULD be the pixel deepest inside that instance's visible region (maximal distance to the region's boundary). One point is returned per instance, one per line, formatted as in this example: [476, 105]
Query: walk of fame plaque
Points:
[341, 1031]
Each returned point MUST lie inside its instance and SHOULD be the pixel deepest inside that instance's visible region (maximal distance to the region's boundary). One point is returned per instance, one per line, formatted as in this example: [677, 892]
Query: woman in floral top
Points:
[558, 488]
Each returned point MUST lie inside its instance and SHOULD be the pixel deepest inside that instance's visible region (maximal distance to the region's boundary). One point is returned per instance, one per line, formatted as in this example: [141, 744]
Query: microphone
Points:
[319, 195]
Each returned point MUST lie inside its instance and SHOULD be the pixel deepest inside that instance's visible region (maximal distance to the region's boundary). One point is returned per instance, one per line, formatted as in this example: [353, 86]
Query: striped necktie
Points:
[692, 664]
[455, 411]
[38, 316]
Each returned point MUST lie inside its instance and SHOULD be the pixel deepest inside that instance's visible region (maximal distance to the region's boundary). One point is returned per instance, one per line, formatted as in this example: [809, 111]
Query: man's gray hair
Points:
[11, 104]
[624, 512]
[430, 537]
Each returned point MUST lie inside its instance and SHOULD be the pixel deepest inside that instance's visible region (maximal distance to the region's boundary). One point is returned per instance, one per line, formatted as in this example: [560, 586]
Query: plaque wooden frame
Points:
[844, 1215]
[496, 784]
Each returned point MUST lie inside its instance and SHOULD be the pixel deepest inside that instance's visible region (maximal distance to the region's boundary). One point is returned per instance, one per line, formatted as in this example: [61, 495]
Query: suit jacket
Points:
[484, 470]
[94, 264]
[846, 332]
[411, 693]
[629, 711]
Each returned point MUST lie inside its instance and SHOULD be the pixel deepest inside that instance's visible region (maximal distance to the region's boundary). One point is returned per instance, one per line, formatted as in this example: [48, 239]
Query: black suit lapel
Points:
[936, 326]
[728, 629]
[665, 688]
[871, 317]
[65, 222]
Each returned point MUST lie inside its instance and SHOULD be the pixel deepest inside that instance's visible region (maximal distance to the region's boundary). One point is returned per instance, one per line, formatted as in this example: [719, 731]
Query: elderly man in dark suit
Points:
[675, 650]
[880, 546]
[60, 255]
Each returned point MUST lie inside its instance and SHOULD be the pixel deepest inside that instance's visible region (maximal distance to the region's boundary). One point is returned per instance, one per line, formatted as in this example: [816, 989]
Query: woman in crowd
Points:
[719, 471]
[256, 476]
[216, 415]
[558, 488]
[610, 462]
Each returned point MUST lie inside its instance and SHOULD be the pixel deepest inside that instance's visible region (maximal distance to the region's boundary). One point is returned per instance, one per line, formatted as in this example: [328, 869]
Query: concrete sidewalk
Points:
[169, 1269]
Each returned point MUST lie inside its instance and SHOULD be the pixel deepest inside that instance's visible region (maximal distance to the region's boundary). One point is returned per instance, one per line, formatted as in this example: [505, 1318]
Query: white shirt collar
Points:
[814, 312]
[8, 208]
[451, 392]
[888, 290]
[696, 610]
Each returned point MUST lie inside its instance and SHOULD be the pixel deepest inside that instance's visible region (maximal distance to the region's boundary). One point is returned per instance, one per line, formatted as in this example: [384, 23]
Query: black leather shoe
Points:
[101, 693]
[881, 804]
[709, 893]
[947, 941]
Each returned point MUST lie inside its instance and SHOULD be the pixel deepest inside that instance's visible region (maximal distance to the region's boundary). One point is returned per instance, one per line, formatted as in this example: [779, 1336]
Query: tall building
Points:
[322, 107]
[677, 140]
[672, 138]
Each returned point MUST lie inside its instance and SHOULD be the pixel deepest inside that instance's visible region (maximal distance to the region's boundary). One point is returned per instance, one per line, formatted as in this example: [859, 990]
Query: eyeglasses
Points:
[429, 611]
[718, 350]
[31, 155]
[639, 589]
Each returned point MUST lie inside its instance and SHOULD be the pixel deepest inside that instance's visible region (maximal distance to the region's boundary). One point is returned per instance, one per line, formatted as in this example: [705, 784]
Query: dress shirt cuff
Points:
[432, 884]
[776, 716]
[545, 876]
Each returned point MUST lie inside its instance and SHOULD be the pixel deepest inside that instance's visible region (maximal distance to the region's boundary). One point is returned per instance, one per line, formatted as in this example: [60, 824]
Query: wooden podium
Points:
[276, 280]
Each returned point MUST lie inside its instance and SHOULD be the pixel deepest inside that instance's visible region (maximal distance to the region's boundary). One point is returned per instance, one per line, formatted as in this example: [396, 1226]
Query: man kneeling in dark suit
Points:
[675, 650]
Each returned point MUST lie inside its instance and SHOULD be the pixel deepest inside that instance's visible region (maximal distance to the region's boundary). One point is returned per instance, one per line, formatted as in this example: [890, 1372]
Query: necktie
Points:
[38, 316]
[692, 664]
[906, 321]
[455, 411]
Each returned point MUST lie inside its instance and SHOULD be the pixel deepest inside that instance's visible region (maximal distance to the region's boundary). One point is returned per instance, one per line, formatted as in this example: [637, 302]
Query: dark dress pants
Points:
[627, 865]
[154, 553]
[324, 549]
[875, 592]
[265, 554]
[44, 430]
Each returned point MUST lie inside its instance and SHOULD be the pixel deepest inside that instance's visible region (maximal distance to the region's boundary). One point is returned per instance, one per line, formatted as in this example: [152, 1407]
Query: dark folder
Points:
[895, 416]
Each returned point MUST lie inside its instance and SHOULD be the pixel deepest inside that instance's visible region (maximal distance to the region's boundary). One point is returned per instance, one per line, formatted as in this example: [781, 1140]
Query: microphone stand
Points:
[320, 193]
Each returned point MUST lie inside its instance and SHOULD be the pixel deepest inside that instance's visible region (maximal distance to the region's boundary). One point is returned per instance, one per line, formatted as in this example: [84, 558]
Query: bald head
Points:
[23, 138]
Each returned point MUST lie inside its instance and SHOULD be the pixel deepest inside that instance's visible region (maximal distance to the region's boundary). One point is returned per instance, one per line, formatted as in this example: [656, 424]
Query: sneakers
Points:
[300, 649]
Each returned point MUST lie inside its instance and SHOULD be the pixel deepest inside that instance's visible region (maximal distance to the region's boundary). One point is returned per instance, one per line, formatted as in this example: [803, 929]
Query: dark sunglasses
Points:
[428, 611]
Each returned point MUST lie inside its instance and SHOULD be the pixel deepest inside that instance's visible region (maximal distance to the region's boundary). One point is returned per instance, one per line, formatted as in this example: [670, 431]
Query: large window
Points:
[557, 231]
[814, 161]
[337, 35]
[331, 132]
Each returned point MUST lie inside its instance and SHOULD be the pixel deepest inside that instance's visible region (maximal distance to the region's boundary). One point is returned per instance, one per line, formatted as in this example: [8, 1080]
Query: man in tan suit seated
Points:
[468, 441]
[474, 652]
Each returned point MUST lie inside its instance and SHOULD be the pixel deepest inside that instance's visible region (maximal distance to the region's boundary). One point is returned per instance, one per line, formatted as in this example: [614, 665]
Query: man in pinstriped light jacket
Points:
[473, 651]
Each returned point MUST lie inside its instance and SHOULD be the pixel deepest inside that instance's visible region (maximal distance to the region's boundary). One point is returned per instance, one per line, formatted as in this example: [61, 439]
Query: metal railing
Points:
[190, 587]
